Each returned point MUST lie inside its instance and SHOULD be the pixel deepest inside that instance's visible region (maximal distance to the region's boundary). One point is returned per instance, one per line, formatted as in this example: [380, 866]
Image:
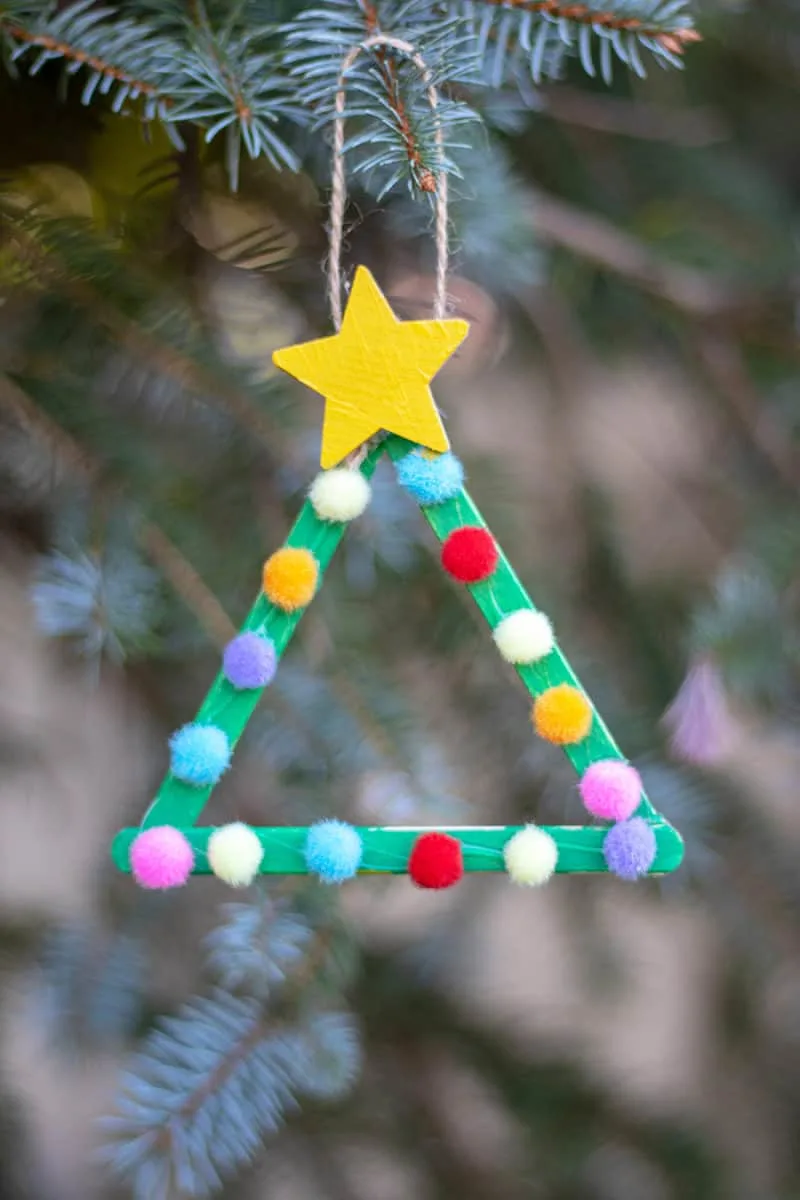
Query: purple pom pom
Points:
[630, 848]
[249, 661]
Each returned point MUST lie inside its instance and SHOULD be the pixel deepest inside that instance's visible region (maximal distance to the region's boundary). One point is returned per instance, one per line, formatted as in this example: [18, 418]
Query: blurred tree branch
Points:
[694, 127]
[696, 293]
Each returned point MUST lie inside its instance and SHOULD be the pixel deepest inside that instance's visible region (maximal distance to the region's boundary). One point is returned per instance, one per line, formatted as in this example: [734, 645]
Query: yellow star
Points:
[374, 373]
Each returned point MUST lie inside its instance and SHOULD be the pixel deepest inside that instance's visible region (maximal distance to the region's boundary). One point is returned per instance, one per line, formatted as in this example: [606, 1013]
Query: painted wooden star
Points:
[375, 373]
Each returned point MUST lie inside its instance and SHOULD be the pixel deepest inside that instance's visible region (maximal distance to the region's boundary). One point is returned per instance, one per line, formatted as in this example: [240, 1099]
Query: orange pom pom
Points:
[562, 715]
[290, 578]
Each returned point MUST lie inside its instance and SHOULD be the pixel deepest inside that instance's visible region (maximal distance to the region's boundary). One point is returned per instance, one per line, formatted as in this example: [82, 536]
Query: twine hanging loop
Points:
[339, 182]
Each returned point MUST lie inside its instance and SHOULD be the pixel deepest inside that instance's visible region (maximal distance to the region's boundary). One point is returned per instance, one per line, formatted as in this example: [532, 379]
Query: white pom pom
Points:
[524, 636]
[530, 856]
[235, 854]
[340, 494]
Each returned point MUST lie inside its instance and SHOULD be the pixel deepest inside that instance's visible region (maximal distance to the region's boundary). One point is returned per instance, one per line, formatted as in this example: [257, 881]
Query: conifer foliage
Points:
[240, 74]
[222, 88]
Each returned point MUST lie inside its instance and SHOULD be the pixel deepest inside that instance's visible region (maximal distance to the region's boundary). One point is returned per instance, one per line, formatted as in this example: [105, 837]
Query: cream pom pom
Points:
[235, 854]
[530, 856]
[339, 495]
[524, 636]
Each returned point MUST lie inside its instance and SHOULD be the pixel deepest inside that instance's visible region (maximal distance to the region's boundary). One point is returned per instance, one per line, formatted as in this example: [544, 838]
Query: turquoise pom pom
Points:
[200, 754]
[430, 480]
[333, 851]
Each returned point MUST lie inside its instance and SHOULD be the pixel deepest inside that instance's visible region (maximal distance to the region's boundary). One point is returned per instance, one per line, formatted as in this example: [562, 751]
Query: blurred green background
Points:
[627, 411]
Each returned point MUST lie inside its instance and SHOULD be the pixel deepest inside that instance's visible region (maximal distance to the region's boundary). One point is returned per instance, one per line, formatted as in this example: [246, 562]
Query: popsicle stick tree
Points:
[375, 375]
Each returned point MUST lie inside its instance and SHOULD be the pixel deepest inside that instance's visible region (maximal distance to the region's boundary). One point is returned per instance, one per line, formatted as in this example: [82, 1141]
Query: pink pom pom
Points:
[611, 790]
[161, 858]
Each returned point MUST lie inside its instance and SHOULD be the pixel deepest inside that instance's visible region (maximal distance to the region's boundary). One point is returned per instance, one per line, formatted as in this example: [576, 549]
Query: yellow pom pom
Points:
[524, 636]
[562, 715]
[530, 856]
[290, 578]
[235, 854]
[340, 494]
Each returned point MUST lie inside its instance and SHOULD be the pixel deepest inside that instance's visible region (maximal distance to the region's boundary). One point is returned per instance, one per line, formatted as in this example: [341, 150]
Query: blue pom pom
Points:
[200, 754]
[333, 851]
[430, 480]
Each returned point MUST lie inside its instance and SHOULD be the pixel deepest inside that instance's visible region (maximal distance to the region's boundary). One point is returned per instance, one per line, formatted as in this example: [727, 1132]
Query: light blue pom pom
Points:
[200, 754]
[333, 851]
[430, 480]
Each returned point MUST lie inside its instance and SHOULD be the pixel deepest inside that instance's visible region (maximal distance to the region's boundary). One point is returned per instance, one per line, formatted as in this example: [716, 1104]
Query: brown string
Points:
[339, 184]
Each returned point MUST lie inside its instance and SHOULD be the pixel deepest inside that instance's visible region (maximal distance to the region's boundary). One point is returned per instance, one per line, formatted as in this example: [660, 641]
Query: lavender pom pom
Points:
[630, 848]
[249, 661]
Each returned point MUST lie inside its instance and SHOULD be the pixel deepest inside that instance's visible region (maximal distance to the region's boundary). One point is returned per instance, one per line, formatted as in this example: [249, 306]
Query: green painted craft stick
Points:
[386, 851]
[179, 803]
[503, 594]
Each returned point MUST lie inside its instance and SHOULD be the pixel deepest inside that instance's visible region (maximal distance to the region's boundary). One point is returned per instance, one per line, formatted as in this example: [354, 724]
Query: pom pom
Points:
[469, 554]
[524, 636]
[200, 754]
[611, 790]
[249, 661]
[436, 861]
[235, 854]
[430, 479]
[161, 858]
[530, 856]
[290, 578]
[340, 495]
[333, 851]
[562, 715]
[630, 848]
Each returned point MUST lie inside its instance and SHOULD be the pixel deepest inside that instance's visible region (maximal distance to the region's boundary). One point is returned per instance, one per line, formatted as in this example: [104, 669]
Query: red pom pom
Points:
[469, 554]
[436, 861]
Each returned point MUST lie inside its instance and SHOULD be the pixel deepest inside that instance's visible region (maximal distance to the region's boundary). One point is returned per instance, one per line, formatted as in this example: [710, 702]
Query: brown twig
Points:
[143, 344]
[695, 292]
[672, 40]
[723, 362]
[73, 54]
[694, 127]
[423, 175]
[187, 584]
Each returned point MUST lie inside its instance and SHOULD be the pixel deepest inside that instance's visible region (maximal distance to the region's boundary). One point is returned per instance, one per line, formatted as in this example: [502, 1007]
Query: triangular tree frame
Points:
[387, 849]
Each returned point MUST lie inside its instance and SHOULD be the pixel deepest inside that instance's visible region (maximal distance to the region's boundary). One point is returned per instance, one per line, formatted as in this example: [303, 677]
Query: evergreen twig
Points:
[670, 35]
[171, 561]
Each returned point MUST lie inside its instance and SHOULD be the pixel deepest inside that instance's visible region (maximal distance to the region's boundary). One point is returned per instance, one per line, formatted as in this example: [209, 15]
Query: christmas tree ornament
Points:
[374, 375]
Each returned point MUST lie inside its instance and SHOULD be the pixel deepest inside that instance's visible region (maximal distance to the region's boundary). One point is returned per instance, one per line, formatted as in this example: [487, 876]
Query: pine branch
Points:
[256, 947]
[122, 56]
[67, 255]
[211, 1083]
[538, 33]
[424, 175]
[93, 987]
[56, 48]
[395, 132]
[671, 36]
[180, 573]
[225, 79]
